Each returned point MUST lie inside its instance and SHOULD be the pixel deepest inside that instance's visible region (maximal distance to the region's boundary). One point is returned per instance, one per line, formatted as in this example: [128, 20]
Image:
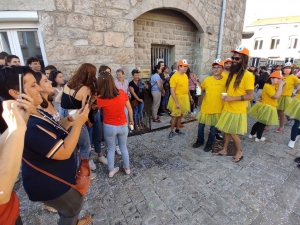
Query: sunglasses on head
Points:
[235, 58]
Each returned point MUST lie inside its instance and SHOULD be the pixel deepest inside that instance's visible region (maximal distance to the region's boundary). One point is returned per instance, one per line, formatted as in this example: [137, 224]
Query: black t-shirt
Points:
[137, 90]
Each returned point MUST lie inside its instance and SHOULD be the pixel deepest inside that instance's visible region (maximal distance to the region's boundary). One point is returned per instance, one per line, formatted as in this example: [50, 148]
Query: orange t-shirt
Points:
[9, 211]
[113, 109]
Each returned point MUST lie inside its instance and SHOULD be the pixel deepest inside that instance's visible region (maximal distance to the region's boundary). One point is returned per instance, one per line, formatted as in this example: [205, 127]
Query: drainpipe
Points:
[221, 29]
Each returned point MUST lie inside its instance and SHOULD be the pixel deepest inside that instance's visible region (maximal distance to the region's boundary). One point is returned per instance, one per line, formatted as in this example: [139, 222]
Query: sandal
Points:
[88, 220]
[238, 159]
[50, 209]
[266, 129]
[219, 154]
[156, 120]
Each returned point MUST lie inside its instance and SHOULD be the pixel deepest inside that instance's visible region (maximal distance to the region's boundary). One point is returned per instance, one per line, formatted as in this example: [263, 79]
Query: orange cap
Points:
[288, 64]
[275, 74]
[228, 60]
[252, 68]
[241, 50]
[183, 62]
[218, 62]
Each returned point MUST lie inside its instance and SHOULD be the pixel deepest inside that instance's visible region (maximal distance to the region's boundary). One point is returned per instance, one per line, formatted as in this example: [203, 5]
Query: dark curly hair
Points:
[52, 76]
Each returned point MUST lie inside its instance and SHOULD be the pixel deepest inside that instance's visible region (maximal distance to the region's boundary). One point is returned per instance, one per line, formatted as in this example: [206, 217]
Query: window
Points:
[258, 44]
[275, 43]
[293, 41]
[255, 62]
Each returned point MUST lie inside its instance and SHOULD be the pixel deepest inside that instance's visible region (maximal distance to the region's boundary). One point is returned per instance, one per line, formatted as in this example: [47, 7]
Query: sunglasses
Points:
[235, 58]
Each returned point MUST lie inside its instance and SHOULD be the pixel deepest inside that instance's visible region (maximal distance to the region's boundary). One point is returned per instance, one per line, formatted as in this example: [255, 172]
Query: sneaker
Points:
[179, 132]
[118, 150]
[262, 139]
[92, 165]
[279, 130]
[113, 172]
[252, 136]
[102, 145]
[297, 160]
[103, 160]
[171, 134]
[291, 144]
[93, 176]
[208, 147]
[198, 144]
[193, 113]
[219, 137]
[160, 114]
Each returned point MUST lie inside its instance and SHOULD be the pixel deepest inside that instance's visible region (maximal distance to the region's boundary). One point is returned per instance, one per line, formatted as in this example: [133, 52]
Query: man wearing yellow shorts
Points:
[179, 102]
[240, 89]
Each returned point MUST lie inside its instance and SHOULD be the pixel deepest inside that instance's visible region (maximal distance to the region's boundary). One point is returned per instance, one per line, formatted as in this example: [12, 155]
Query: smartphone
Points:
[89, 99]
[20, 86]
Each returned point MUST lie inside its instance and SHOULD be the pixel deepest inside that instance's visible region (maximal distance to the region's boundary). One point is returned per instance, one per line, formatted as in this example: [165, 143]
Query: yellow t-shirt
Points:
[180, 83]
[290, 83]
[247, 83]
[212, 102]
[267, 93]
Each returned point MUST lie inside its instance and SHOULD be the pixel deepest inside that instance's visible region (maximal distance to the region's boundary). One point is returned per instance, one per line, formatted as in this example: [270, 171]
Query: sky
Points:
[259, 9]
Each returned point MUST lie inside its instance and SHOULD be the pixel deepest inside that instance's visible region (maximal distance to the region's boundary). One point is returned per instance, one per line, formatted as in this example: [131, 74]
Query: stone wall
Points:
[102, 31]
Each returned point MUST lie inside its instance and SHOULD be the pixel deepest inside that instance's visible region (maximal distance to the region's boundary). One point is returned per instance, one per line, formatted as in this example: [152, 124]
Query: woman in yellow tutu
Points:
[286, 97]
[212, 104]
[240, 89]
[293, 111]
[265, 111]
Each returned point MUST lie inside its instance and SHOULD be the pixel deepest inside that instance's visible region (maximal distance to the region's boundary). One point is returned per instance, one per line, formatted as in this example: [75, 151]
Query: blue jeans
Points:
[138, 113]
[295, 130]
[165, 99]
[95, 133]
[84, 144]
[63, 112]
[110, 134]
[211, 135]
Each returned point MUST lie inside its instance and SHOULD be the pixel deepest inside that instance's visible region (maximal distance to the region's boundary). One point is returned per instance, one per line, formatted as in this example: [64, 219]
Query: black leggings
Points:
[193, 94]
[258, 129]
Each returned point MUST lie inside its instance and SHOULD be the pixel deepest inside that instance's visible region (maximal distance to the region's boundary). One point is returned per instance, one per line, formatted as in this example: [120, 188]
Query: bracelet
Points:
[242, 98]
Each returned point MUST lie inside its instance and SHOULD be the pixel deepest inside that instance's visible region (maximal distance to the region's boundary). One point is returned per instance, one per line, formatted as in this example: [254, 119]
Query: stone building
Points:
[120, 33]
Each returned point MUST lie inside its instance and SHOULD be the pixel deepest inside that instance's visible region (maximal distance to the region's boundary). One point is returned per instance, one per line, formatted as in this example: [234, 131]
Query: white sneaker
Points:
[92, 165]
[118, 150]
[262, 139]
[102, 145]
[291, 144]
[252, 136]
[103, 160]
[113, 172]
[93, 176]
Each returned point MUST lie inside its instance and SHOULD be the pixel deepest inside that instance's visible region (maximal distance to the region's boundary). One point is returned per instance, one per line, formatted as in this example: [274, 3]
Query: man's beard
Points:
[235, 67]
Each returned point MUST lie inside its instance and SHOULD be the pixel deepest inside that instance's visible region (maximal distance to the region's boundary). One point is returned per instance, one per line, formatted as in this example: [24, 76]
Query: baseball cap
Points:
[183, 62]
[135, 71]
[241, 50]
[252, 68]
[228, 60]
[288, 64]
[275, 74]
[218, 62]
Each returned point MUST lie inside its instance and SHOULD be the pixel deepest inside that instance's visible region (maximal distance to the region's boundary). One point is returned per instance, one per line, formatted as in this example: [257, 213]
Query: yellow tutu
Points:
[264, 113]
[208, 119]
[293, 109]
[184, 102]
[283, 102]
[232, 123]
[249, 106]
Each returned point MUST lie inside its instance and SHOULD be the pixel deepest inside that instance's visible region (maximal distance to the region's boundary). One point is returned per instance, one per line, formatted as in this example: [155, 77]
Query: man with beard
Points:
[227, 65]
[240, 89]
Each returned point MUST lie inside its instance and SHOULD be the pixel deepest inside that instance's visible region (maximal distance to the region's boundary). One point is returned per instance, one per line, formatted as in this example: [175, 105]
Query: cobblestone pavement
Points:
[173, 183]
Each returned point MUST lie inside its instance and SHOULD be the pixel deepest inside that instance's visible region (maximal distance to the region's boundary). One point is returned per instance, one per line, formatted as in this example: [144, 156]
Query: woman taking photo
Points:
[75, 95]
[48, 146]
[113, 101]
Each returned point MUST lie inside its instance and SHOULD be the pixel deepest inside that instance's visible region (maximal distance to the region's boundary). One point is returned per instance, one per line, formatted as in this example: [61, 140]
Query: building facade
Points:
[275, 40]
[120, 33]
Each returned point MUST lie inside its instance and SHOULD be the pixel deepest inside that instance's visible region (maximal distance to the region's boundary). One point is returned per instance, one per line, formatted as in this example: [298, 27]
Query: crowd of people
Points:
[61, 121]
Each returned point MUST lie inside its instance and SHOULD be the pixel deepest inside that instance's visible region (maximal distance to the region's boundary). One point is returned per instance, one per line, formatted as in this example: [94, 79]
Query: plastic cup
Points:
[73, 114]
[224, 94]
[131, 127]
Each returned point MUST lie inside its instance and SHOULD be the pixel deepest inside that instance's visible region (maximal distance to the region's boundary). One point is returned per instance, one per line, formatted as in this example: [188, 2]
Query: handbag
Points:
[134, 102]
[198, 90]
[83, 175]
[218, 146]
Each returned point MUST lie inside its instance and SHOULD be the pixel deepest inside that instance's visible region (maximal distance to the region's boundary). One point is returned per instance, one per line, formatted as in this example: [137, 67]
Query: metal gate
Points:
[160, 53]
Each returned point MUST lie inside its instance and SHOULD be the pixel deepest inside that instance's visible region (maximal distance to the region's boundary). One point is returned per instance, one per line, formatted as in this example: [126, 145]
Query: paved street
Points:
[173, 183]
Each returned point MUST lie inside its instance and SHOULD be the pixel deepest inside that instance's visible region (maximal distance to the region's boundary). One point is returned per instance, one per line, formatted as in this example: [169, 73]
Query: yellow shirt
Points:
[247, 83]
[212, 102]
[267, 93]
[180, 83]
[290, 82]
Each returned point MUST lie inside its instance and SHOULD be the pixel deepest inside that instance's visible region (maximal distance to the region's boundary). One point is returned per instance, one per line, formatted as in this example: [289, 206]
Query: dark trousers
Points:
[193, 94]
[295, 130]
[19, 221]
[68, 206]
[258, 129]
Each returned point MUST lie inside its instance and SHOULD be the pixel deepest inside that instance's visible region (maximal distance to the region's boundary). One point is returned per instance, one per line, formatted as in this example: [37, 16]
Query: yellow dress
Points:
[212, 104]
[265, 110]
[285, 98]
[293, 109]
[181, 85]
[233, 118]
